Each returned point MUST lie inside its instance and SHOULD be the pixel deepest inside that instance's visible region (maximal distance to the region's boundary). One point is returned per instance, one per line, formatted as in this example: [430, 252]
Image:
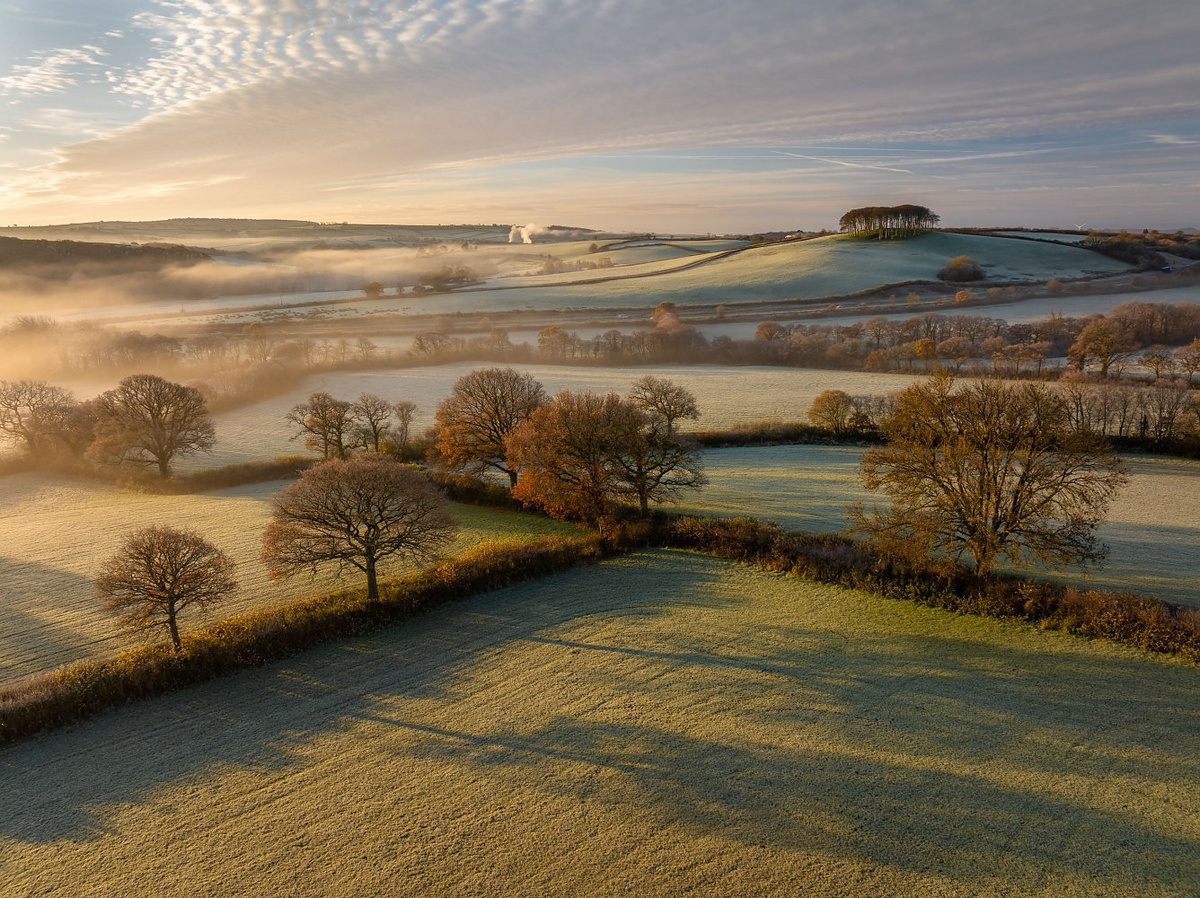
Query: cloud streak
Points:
[348, 108]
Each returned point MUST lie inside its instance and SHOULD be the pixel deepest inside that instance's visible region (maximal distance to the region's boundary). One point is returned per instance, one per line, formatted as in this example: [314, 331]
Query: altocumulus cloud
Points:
[312, 104]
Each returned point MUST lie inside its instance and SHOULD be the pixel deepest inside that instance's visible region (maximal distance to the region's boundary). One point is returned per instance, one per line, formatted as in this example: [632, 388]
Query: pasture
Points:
[727, 397]
[665, 724]
[809, 269]
[829, 266]
[1152, 530]
[59, 531]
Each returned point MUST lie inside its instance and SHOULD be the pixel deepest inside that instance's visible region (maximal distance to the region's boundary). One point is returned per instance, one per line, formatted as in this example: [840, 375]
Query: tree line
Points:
[577, 456]
[888, 222]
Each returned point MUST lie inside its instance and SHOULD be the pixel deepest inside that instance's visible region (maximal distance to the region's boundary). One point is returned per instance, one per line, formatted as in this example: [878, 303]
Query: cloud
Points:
[52, 72]
[318, 106]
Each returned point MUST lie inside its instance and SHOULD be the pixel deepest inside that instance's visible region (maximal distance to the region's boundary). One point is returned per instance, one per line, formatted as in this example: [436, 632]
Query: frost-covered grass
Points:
[812, 268]
[829, 266]
[727, 397]
[1153, 528]
[58, 531]
[665, 724]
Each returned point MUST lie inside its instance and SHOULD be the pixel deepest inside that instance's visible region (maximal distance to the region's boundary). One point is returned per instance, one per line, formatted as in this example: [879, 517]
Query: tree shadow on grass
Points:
[280, 709]
[866, 810]
[904, 749]
[41, 623]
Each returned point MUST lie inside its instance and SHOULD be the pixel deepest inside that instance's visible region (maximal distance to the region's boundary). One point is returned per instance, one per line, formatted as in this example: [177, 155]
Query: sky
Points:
[672, 116]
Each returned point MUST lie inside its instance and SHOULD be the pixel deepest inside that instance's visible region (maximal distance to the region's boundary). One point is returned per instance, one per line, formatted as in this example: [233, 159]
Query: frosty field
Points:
[727, 397]
[665, 724]
[1153, 528]
[644, 276]
[59, 531]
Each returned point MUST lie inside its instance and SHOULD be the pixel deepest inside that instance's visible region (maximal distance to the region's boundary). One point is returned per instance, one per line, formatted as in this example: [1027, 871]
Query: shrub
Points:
[1126, 617]
[960, 270]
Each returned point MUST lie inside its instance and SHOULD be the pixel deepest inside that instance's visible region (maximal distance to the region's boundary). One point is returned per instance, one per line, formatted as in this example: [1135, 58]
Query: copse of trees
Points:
[961, 269]
[888, 222]
[334, 427]
[584, 453]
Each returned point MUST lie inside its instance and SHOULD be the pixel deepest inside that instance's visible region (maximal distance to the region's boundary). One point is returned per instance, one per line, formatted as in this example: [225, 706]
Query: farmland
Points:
[642, 276]
[663, 723]
[1152, 529]
[727, 397]
[711, 729]
[58, 531]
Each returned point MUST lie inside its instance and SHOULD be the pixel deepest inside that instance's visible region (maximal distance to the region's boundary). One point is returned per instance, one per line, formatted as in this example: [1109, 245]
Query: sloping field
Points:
[57, 533]
[809, 269]
[1153, 529]
[727, 397]
[666, 724]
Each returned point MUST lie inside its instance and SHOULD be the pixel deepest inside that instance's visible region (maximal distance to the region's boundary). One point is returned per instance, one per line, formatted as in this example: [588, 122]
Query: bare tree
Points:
[372, 417]
[403, 410]
[147, 420]
[30, 411]
[989, 471]
[666, 399]
[584, 452]
[484, 407]
[158, 572]
[355, 512]
[328, 423]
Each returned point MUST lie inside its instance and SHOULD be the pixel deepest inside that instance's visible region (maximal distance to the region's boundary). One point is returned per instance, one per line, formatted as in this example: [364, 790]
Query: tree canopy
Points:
[355, 512]
[584, 452]
[483, 408]
[148, 420]
[988, 471]
[888, 222]
[158, 572]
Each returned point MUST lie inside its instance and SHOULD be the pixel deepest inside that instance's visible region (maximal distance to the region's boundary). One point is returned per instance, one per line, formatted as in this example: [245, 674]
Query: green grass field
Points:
[666, 724]
[59, 531]
[1153, 528]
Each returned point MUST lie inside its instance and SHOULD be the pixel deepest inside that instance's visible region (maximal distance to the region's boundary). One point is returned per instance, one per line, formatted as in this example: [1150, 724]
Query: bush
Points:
[961, 269]
[1125, 617]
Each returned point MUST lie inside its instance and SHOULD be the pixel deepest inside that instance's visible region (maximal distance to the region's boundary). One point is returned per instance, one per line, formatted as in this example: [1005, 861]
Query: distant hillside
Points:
[18, 253]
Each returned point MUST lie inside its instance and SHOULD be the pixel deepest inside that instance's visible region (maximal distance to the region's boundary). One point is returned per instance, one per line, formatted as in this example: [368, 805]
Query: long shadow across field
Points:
[841, 728]
[29, 641]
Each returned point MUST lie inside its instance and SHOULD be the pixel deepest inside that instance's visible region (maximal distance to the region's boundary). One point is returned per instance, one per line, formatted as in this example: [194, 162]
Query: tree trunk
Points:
[173, 626]
[512, 479]
[372, 580]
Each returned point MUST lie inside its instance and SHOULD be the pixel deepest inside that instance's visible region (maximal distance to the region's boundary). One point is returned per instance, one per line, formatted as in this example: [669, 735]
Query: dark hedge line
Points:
[1126, 617]
[86, 688]
[776, 433]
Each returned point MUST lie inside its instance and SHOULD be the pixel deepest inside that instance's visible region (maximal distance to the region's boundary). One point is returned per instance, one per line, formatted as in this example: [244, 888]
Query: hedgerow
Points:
[1126, 617]
[86, 688]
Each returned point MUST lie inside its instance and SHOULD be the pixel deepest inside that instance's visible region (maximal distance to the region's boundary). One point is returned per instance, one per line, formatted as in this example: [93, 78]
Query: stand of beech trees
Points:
[888, 222]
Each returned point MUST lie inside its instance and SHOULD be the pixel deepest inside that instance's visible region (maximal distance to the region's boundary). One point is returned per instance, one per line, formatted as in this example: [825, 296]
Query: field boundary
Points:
[1128, 618]
[87, 688]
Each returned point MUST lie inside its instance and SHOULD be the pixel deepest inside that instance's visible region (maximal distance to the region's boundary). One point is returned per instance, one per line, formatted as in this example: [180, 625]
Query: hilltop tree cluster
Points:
[888, 222]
